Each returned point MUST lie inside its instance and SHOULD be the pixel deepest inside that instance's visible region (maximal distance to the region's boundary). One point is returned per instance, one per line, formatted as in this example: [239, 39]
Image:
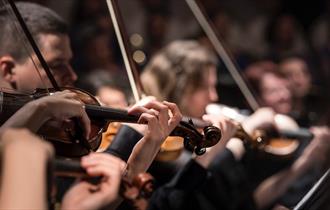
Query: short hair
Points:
[99, 78]
[177, 69]
[39, 20]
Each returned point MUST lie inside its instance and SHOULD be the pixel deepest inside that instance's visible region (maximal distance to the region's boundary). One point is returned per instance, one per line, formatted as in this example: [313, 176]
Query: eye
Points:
[57, 66]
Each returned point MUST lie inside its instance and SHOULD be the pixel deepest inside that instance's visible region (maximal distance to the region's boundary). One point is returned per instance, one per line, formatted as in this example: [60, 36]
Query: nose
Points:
[213, 95]
[285, 93]
[70, 76]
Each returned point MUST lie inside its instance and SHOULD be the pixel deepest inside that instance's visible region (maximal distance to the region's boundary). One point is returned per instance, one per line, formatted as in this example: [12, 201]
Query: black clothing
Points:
[222, 186]
[124, 142]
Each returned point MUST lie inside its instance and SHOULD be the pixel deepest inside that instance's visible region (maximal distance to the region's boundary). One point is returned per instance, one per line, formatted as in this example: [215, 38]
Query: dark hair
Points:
[255, 82]
[97, 79]
[39, 20]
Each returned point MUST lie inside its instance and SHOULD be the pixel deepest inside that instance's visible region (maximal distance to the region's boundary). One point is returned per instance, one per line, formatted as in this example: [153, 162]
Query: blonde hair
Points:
[176, 70]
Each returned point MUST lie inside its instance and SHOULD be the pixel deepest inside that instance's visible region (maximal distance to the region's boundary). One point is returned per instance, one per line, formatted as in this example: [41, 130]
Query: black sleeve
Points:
[180, 193]
[124, 142]
[194, 187]
[230, 180]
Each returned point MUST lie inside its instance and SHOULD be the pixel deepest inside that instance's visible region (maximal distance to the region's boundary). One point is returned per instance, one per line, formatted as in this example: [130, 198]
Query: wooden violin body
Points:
[66, 137]
[280, 142]
[62, 134]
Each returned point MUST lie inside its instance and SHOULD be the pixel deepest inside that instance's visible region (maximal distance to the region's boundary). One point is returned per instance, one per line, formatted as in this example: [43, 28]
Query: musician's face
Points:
[57, 53]
[195, 102]
[112, 97]
[276, 94]
[299, 76]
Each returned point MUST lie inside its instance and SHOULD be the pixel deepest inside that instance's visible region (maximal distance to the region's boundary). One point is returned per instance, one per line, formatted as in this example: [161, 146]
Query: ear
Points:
[7, 64]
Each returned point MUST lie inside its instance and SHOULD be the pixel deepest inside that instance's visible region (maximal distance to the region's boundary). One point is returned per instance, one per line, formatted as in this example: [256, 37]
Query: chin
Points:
[284, 110]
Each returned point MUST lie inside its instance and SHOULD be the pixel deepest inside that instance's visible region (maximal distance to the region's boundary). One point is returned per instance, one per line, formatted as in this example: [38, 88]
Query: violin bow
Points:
[33, 45]
[208, 28]
[118, 24]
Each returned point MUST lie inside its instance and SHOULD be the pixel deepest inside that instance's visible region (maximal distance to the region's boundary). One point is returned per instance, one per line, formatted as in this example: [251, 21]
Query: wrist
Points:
[153, 141]
[248, 127]
[236, 146]
[40, 110]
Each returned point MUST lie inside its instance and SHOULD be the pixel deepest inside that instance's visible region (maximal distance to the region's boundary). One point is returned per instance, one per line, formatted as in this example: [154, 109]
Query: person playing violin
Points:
[184, 72]
[18, 73]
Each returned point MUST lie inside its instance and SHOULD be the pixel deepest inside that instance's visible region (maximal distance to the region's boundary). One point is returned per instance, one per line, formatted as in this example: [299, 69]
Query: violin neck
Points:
[10, 103]
[110, 114]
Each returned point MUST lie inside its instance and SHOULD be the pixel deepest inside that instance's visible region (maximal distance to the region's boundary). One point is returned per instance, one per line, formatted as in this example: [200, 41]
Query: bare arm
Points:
[24, 159]
[275, 186]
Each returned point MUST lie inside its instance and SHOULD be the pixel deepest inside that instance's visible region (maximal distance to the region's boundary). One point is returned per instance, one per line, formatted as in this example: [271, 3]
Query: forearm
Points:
[142, 156]
[23, 178]
[234, 145]
[32, 116]
[272, 188]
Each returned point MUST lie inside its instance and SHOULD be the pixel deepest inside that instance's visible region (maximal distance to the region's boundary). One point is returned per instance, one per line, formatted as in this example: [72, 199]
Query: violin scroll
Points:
[140, 187]
[194, 140]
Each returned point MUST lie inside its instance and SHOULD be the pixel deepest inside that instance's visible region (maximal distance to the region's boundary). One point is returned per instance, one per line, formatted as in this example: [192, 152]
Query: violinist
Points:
[271, 87]
[307, 100]
[17, 69]
[278, 89]
[18, 73]
[184, 72]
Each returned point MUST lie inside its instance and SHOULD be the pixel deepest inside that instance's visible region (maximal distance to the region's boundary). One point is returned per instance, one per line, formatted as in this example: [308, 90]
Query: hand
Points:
[59, 106]
[228, 129]
[227, 126]
[138, 127]
[64, 105]
[160, 121]
[86, 196]
[260, 119]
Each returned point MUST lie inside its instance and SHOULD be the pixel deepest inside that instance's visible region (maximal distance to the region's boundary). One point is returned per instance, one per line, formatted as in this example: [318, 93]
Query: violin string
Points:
[23, 41]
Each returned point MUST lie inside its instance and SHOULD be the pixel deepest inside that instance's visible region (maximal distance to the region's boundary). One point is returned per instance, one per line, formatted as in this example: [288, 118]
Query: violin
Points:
[172, 147]
[67, 137]
[136, 192]
[63, 135]
[281, 141]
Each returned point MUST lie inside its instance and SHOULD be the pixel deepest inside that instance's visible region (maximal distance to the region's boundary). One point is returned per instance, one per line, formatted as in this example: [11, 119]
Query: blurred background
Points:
[252, 31]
